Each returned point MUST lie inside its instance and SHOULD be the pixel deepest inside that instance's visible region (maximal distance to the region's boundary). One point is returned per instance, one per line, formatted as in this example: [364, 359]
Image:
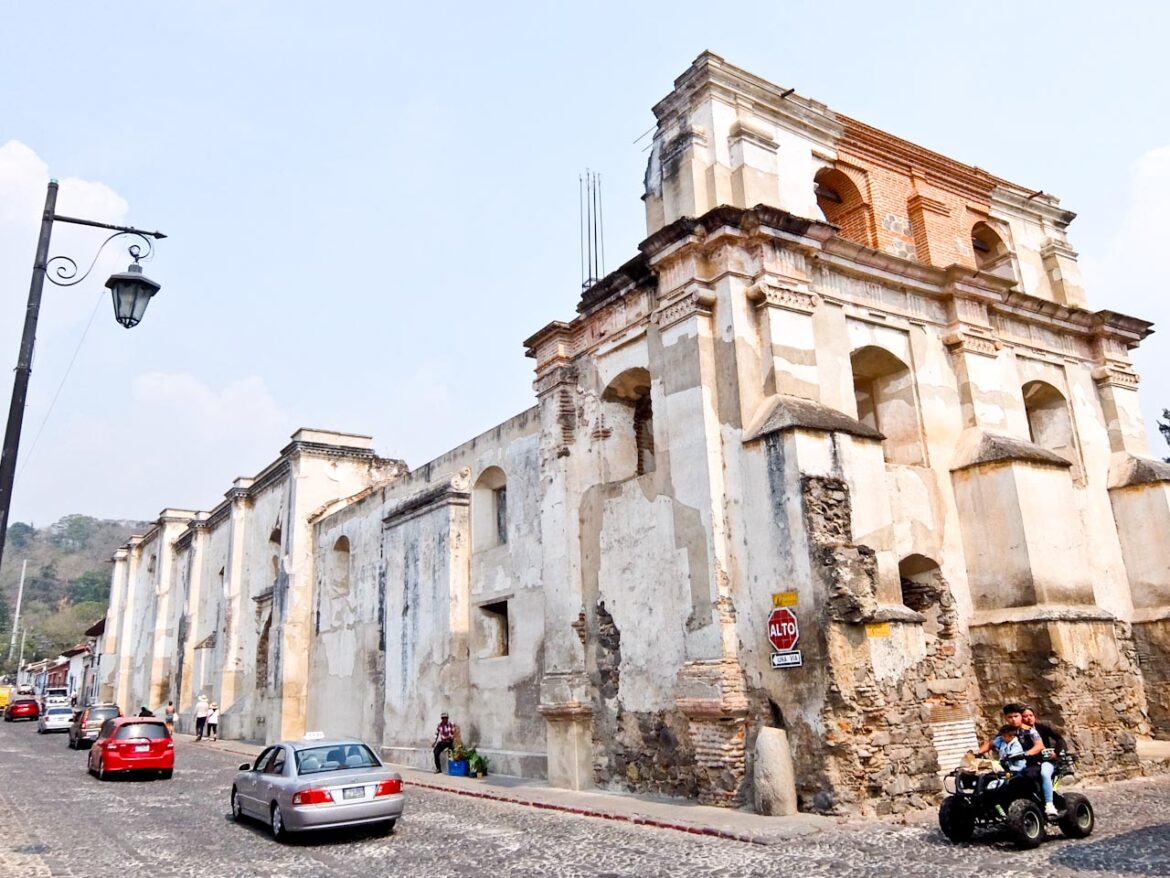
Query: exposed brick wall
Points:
[1100, 707]
[1152, 640]
[877, 753]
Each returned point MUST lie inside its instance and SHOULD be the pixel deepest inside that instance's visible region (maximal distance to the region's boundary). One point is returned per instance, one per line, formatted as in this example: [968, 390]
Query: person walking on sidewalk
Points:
[212, 727]
[444, 738]
[202, 708]
[169, 717]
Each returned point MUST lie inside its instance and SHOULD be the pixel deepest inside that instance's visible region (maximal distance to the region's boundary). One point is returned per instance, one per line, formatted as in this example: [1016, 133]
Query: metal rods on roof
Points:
[592, 228]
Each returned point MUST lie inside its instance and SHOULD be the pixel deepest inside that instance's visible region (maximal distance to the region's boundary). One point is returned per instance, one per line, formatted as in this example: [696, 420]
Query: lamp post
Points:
[131, 291]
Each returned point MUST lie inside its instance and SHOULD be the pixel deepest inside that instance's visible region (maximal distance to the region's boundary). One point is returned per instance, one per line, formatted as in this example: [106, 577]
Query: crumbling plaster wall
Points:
[138, 645]
[435, 589]
[347, 660]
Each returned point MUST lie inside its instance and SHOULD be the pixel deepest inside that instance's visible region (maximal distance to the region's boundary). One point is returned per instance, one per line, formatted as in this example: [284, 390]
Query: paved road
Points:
[57, 821]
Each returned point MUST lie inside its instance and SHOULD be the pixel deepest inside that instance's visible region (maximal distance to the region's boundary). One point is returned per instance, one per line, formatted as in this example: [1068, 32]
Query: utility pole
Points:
[16, 622]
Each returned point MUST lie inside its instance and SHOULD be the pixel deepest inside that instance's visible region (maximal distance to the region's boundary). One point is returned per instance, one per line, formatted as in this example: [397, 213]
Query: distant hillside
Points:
[67, 587]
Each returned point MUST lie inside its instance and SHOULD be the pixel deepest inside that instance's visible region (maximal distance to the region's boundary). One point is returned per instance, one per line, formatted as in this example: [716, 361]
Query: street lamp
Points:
[130, 290]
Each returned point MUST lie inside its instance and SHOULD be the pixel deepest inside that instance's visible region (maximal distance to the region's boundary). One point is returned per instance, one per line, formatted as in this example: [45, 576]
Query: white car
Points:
[55, 718]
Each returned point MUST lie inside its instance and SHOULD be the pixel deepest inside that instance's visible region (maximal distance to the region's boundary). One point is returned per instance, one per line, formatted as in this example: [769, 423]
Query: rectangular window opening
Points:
[495, 629]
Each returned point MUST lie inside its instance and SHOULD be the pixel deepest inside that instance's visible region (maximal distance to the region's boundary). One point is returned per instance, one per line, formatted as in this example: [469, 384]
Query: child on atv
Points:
[1032, 746]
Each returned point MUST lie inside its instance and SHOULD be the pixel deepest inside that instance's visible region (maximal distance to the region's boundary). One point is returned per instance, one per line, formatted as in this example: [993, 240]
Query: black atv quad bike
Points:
[997, 800]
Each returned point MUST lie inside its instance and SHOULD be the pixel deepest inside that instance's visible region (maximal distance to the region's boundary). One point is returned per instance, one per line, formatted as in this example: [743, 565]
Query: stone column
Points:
[565, 701]
[125, 648]
[168, 607]
[185, 697]
[1139, 492]
[115, 624]
[234, 616]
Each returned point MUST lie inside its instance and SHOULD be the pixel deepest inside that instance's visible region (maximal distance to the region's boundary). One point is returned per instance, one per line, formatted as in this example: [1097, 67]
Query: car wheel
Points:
[956, 819]
[386, 827]
[1078, 820]
[237, 811]
[70, 743]
[1025, 822]
[279, 832]
[166, 773]
[101, 771]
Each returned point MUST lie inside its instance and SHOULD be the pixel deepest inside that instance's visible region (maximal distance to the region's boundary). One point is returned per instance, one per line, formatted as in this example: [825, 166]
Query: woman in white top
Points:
[213, 721]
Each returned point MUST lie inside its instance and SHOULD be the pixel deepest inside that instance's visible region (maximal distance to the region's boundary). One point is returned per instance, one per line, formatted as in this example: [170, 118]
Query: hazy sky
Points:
[370, 207]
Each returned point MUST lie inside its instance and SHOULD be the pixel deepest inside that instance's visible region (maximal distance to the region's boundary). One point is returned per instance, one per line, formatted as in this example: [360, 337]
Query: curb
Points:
[603, 815]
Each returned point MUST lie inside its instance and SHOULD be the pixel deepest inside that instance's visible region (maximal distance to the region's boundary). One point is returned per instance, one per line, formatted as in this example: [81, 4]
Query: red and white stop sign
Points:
[783, 630]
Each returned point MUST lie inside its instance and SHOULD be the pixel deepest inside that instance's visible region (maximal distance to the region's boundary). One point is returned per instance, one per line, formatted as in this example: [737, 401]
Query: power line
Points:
[28, 454]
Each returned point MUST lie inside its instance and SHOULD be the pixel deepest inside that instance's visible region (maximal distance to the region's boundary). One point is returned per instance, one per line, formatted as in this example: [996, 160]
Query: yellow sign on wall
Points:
[877, 629]
[784, 599]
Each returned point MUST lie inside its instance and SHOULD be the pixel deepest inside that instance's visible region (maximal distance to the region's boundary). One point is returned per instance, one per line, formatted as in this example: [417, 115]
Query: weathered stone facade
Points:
[844, 376]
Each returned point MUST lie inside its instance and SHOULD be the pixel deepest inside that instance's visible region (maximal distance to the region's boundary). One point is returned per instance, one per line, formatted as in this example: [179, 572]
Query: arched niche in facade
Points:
[883, 387]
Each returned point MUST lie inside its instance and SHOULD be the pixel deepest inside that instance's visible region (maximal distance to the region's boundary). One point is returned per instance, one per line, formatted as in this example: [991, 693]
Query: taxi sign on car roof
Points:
[314, 736]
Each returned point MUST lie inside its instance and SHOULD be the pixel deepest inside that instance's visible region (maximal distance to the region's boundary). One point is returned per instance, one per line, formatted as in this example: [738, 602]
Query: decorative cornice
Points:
[450, 493]
[566, 711]
[771, 295]
[697, 302]
[964, 341]
[1115, 376]
[555, 377]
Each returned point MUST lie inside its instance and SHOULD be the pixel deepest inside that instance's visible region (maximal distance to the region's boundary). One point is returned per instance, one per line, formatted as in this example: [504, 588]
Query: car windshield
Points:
[335, 757]
[60, 711]
[100, 714]
[153, 731]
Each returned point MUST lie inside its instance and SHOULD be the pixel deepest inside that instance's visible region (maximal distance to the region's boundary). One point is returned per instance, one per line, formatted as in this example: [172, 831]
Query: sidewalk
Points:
[663, 813]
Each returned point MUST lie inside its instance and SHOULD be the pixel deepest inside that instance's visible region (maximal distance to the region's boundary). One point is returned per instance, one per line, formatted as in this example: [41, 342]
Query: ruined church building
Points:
[843, 376]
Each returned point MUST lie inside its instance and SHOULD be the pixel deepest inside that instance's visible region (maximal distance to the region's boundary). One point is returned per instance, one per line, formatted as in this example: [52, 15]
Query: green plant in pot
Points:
[478, 764]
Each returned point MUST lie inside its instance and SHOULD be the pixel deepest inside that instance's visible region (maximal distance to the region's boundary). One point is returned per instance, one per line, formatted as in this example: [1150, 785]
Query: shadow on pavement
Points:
[316, 838]
[1144, 851]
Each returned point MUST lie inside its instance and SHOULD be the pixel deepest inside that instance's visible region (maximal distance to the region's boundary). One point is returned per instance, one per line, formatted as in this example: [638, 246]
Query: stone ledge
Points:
[781, 413]
[1144, 615]
[1035, 613]
[979, 446]
[1132, 471]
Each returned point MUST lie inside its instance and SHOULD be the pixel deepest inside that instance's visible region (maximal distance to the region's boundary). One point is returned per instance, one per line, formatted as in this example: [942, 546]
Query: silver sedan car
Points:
[55, 718]
[318, 784]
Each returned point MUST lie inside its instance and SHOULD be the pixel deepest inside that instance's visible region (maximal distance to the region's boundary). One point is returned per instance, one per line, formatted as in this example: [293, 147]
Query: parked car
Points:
[318, 784]
[54, 695]
[55, 719]
[132, 743]
[21, 708]
[88, 721]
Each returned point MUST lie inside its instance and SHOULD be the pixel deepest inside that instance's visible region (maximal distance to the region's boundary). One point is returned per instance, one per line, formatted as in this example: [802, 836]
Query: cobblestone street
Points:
[55, 820]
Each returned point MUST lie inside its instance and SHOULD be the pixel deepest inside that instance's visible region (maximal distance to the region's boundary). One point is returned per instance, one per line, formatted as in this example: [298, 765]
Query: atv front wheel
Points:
[1025, 823]
[1078, 820]
[956, 819]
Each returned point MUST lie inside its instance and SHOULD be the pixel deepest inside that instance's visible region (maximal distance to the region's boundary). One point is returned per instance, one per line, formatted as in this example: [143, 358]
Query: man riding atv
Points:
[1033, 761]
[1012, 794]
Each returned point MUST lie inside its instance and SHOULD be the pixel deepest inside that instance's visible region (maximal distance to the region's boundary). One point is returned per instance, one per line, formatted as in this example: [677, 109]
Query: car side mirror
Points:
[245, 766]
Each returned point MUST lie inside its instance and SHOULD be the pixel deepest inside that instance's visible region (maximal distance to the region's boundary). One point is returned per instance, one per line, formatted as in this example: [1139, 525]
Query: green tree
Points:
[20, 535]
[92, 585]
[1164, 426]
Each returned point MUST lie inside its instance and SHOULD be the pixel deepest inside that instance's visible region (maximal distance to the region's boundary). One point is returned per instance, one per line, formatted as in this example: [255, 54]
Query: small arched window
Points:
[339, 568]
[841, 203]
[1049, 422]
[489, 509]
[883, 387]
[262, 654]
[989, 248]
[629, 415]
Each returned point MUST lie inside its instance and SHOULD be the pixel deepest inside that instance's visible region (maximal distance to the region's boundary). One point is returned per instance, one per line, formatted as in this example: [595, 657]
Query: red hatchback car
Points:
[131, 743]
[22, 708]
